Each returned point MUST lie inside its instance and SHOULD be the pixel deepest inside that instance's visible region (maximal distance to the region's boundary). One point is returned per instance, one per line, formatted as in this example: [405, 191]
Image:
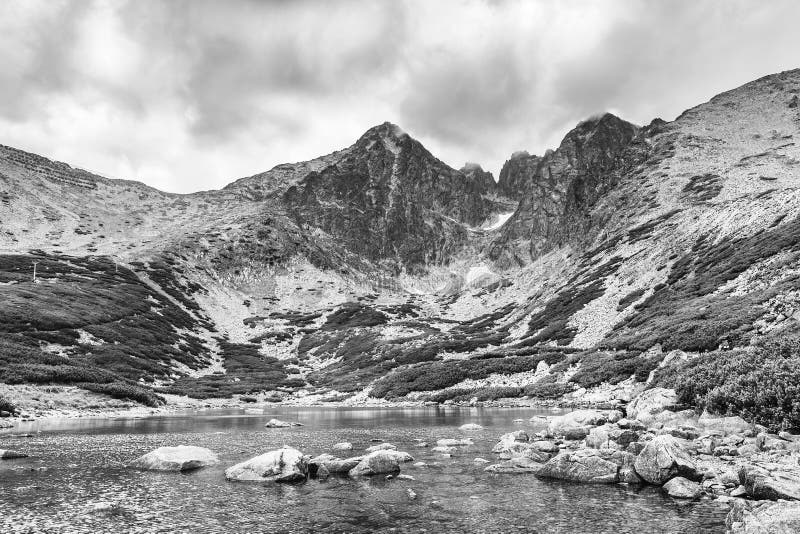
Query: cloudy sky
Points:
[189, 95]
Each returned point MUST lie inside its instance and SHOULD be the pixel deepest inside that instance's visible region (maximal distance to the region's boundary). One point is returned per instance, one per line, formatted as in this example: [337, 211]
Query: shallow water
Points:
[77, 464]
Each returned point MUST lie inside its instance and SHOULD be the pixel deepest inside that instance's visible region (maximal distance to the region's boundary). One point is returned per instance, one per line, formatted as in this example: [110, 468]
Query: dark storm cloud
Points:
[189, 94]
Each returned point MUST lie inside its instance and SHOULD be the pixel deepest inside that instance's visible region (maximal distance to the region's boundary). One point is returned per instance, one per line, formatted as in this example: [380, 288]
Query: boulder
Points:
[724, 425]
[518, 449]
[651, 402]
[770, 482]
[515, 466]
[592, 466]
[444, 449]
[748, 517]
[545, 445]
[380, 462]
[344, 446]
[342, 466]
[682, 488]
[610, 437]
[277, 423]
[576, 424]
[8, 454]
[470, 427]
[180, 458]
[664, 458]
[519, 435]
[382, 447]
[282, 465]
[449, 442]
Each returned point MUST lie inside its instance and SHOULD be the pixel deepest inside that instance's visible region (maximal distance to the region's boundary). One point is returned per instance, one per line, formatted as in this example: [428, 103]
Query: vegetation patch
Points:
[703, 187]
[762, 384]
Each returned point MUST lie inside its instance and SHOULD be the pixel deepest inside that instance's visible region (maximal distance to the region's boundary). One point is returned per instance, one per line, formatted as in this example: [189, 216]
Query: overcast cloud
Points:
[189, 95]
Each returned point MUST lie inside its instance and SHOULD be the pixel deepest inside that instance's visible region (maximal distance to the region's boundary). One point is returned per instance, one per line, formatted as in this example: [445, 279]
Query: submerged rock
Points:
[470, 427]
[8, 454]
[282, 465]
[448, 442]
[763, 517]
[277, 423]
[515, 466]
[682, 488]
[664, 458]
[180, 458]
[382, 447]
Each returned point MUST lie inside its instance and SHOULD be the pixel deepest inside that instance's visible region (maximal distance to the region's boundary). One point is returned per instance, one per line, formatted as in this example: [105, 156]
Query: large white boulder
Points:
[180, 458]
[282, 465]
[380, 462]
[664, 458]
[650, 403]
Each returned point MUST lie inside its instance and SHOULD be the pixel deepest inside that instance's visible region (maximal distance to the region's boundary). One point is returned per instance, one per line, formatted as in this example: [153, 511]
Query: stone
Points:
[382, 447]
[519, 449]
[748, 517]
[545, 446]
[518, 435]
[379, 462]
[515, 466]
[770, 482]
[747, 450]
[635, 447]
[341, 466]
[281, 465]
[470, 427]
[444, 449]
[651, 402]
[739, 491]
[344, 446]
[682, 488]
[576, 424]
[770, 442]
[449, 442]
[723, 425]
[277, 423]
[411, 494]
[322, 472]
[664, 458]
[180, 458]
[630, 424]
[480, 460]
[591, 466]
[8, 454]
[405, 477]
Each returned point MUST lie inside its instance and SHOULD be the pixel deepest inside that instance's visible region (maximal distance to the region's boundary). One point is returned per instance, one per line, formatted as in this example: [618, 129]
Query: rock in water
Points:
[282, 465]
[591, 466]
[380, 462]
[277, 423]
[663, 458]
[763, 518]
[344, 446]
[448, 442]
[470, 427]
[180, 458]
[576, 424]
[515, 466]
[382, 447]
[8, 454]
[682, 488]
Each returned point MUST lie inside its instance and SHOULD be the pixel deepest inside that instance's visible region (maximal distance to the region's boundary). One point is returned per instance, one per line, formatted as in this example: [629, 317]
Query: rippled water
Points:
[77, 464]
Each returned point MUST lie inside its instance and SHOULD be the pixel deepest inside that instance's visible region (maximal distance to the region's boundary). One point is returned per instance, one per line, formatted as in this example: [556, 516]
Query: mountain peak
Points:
[387, 130]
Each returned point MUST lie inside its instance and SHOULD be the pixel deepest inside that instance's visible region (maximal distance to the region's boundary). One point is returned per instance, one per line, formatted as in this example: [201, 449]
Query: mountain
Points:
[626, 257]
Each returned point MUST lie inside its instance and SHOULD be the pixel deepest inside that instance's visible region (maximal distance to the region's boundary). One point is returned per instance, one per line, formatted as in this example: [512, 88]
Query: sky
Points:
[188, 95]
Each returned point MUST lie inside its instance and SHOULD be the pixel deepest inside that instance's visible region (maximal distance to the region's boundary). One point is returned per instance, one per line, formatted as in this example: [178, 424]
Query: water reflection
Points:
[75, 480]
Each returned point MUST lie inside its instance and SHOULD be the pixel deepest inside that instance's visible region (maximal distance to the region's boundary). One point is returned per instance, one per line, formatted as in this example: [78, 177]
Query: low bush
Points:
[613, 367]
[548, 390]
[761, 384]
[488, 393]
[7, 405]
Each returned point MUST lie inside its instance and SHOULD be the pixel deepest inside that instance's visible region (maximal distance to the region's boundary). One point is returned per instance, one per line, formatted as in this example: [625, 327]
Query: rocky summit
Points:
[630, 258]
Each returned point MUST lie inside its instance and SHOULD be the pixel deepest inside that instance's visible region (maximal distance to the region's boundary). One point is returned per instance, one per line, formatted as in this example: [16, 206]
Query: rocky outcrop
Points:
[664, 458]
[763, 518]
[282, 465]
[180, 458]
[558, 191]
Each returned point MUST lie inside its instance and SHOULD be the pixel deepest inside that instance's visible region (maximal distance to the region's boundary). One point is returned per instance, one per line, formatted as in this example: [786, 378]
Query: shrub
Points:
[7, 406]
[548, 390]
[762, 384]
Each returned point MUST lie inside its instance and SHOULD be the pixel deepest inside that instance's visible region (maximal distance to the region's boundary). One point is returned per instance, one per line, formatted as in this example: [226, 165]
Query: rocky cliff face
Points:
[517, 175]
[558, 190]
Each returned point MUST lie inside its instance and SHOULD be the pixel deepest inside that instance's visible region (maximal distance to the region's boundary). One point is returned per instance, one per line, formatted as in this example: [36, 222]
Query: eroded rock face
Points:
[180, 458]
[664, 458]
[282, 465]
[763, 518]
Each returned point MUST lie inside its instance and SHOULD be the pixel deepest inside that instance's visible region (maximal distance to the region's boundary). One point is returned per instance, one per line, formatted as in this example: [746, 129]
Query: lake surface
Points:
[77, 467]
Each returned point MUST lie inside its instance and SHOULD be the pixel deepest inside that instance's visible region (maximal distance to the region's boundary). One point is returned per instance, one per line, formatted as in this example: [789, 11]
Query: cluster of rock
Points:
[286, 465]
[656, 443]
